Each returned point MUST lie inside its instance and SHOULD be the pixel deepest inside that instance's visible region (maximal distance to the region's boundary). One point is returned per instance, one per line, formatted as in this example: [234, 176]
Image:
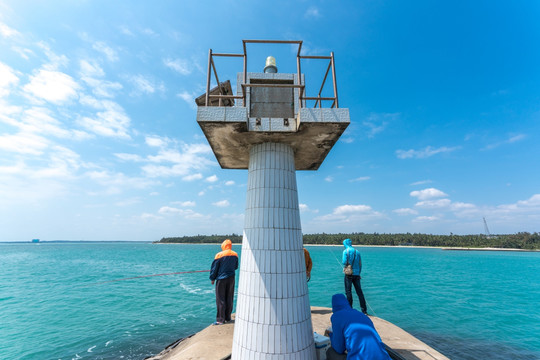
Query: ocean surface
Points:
[56, 301]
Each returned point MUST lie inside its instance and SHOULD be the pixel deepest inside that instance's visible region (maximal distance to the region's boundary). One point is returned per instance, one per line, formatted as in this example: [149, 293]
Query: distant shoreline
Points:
[381, 246]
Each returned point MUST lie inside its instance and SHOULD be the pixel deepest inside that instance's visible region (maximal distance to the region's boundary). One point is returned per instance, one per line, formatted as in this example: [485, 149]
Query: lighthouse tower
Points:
[267, 129]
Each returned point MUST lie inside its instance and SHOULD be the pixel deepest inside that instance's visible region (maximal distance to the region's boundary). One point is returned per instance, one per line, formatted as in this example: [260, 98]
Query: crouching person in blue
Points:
[353, 335]
[222, 274]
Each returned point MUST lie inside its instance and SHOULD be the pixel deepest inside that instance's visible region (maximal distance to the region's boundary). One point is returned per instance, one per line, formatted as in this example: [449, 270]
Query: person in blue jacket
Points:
[352, 256]
[222, 274]
[353, 334]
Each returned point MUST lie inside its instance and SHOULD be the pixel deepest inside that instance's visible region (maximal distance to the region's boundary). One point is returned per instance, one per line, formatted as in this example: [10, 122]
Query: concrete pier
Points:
[215, 342]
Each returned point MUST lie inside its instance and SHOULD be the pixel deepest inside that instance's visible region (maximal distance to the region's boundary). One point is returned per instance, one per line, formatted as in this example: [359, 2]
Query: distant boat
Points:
[35, 241]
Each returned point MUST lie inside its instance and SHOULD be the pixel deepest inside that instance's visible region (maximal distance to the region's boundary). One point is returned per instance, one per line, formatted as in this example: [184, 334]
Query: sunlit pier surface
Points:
[215, 342]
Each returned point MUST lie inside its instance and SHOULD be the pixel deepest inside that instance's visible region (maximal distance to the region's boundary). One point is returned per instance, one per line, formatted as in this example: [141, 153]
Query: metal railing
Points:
[302, 89]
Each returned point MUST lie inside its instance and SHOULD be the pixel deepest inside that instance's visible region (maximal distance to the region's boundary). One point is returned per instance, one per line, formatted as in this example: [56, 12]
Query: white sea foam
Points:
[108, 342]
[92, 348]
[195, 290]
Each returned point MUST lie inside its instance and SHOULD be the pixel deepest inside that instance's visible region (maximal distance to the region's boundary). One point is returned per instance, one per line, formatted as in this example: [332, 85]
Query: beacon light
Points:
[270, 65]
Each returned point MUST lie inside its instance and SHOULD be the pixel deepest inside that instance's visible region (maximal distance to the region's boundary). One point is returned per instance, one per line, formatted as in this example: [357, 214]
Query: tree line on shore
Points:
[520, 240]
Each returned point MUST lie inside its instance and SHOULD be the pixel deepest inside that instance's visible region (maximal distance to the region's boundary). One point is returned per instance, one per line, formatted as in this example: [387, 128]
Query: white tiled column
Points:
[273, 317]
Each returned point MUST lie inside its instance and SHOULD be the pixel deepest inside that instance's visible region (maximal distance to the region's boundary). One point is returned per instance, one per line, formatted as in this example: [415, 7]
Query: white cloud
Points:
[129, 157]
[312, 12]
[421, 182]
[303, 207]
[112, 122]
[405, 211]
[425, 153]
[329, 179]
[181, 66]
[116, 183]
[189, 98]
[7, 32]
[53, 86]
[222, 203]
[106, 50]
[532, 201]
[90, 68]
[211, 179]
[192, 177]
[23, 52]
[147, 216]
[350, 214]
[347, 209]
[186, 203]
[426, 219]
[168, 210]
[376, 123]
[145, 85]
[362, 178]
[229, 183]
[23, 143]
[433, 204]
[512, 139]
[41, 121]
[461, 206]
[429, 193]
[91, 73]
[125, 30]
[56, 61]
[186, 213]
[148, 31]
[180, 163]
[8, 78]
[156, 141]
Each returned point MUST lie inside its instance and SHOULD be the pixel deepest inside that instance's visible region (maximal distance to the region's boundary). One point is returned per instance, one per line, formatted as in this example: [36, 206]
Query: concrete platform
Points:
[215, 342]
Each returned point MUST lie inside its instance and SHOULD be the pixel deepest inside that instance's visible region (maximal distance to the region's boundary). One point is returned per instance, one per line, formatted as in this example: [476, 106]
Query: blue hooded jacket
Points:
[353, 256]
[354, 332]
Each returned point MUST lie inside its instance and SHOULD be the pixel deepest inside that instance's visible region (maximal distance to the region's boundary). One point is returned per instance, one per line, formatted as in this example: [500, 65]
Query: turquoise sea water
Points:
[468, 305]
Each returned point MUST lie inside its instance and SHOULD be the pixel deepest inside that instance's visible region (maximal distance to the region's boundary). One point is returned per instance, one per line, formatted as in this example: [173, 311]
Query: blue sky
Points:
[99, 140]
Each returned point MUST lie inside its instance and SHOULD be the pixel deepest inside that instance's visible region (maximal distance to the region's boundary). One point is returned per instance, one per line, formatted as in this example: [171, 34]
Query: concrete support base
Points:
[273, 319]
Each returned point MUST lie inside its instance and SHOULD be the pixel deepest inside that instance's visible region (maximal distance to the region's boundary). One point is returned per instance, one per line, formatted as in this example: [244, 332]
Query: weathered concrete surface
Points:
[231, 133]
[215, 342]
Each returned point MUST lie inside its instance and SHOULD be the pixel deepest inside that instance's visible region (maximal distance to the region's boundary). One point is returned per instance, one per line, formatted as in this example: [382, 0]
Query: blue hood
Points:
[347, 243]
[339, 302]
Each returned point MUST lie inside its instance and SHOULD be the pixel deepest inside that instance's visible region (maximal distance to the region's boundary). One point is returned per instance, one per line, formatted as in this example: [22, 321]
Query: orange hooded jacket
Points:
[225, 262]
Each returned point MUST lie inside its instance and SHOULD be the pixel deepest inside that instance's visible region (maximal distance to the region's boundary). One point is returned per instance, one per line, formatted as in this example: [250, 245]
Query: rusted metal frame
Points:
[298, 42]
[244, 100]
[319, 98]
[226, 96]
[272, 41]
[315, 57]
[212, 65]
[217, 80]
[207, 97]
[322, 85]
[228, 55]
[301, 90]
[336, 101]
[275, 85]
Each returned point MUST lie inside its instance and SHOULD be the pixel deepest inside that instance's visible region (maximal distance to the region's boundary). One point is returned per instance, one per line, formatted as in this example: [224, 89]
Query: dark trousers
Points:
[332, 354]
[224, 298]
[355, 280]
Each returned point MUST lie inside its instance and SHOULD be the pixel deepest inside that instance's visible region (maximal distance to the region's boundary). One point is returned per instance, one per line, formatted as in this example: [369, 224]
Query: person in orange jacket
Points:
[222, 273]
[309, 264]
